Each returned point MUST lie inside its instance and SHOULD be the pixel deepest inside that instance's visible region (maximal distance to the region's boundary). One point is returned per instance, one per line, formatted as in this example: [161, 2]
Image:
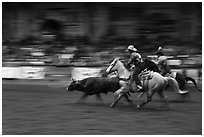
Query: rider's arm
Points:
[162, 60]
[130, 61]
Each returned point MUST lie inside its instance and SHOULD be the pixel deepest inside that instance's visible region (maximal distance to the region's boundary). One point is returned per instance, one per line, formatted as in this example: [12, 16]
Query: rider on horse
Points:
[162, 62]
[135, 58]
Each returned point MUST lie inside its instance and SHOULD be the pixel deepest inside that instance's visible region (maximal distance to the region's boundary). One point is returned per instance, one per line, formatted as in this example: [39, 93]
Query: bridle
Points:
[111, 65]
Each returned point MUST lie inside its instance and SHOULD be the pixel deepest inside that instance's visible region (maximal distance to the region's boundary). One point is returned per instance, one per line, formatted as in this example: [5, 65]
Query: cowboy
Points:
[162, 62]
[135, 58]
[123, 81]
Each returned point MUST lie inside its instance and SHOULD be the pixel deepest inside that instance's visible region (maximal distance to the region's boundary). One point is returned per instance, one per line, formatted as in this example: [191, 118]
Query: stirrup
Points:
[139, 88]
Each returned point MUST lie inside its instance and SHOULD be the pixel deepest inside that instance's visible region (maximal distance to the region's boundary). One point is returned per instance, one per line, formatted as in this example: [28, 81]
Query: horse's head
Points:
[118, 66]
[73, 85]
[113, 66]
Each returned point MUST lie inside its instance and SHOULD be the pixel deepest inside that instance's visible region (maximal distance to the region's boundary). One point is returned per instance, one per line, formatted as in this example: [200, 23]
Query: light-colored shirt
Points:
[134, 57]
[162, 60]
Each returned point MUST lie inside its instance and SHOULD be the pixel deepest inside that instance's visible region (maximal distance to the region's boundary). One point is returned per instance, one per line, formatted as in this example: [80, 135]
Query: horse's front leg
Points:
[116, 101]
[127, 97]
[140, 94]
[149, 98]
[121, 92]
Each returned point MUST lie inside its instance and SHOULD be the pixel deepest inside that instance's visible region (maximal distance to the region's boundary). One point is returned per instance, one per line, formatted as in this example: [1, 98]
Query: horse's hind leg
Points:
[163, 97]
[183, 97]
[194, 82]
[150, 93]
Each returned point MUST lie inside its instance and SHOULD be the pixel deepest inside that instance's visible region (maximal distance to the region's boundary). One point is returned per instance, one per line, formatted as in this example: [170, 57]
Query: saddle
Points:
[146, 75]
[171, 74]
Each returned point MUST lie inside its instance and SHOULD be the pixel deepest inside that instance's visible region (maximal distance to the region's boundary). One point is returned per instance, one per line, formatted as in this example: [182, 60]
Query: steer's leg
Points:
[98, 96]
[83, 98]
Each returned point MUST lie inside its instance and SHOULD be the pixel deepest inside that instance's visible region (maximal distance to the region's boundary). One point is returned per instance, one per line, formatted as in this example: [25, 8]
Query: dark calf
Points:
[95, 86]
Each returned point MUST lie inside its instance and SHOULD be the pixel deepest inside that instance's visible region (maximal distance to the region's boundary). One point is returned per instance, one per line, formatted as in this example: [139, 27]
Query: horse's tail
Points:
[174, 85]
[194, 82]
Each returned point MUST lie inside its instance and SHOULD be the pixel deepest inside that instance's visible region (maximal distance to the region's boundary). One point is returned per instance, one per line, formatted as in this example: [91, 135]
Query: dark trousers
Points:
[136, 78]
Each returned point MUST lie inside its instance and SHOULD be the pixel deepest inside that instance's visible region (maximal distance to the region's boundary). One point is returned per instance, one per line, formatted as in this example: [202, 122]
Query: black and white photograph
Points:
[102, 68]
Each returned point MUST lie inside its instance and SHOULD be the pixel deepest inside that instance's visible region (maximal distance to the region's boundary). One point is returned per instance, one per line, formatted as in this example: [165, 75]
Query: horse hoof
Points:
[130, 102]
[138, 107]
[112, 105]
[162, 108]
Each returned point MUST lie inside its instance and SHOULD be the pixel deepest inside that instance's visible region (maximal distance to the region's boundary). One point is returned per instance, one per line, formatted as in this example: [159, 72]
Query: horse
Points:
[180, 78]
[154, 83]
[95, 86]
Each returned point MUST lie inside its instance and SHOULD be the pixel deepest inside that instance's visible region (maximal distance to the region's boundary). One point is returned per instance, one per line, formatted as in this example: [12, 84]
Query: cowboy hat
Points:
[132, 48]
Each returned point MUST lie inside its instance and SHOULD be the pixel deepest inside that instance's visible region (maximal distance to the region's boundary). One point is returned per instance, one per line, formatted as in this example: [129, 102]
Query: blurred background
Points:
[93, 34]
[52, 42]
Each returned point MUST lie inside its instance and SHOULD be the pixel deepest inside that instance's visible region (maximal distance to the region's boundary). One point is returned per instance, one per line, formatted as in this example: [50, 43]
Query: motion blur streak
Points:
[44, 43]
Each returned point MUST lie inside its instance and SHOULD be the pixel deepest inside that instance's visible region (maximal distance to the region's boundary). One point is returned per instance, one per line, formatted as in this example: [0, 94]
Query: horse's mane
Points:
[123, 63]
[148, 60]
[146, 64]
[152, 64]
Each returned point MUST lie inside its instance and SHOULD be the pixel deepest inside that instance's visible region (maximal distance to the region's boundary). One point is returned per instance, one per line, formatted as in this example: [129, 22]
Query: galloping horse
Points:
[155, 82]
[180, 78]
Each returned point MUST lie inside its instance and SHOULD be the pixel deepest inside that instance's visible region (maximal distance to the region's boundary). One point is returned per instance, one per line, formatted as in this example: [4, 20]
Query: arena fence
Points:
[78, 73]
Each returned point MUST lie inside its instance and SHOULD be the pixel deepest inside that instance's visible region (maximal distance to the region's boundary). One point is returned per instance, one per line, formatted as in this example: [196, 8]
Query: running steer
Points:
[95, 86]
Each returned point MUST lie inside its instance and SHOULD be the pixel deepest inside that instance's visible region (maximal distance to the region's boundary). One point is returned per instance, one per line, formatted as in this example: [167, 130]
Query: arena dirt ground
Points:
[37, 109]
